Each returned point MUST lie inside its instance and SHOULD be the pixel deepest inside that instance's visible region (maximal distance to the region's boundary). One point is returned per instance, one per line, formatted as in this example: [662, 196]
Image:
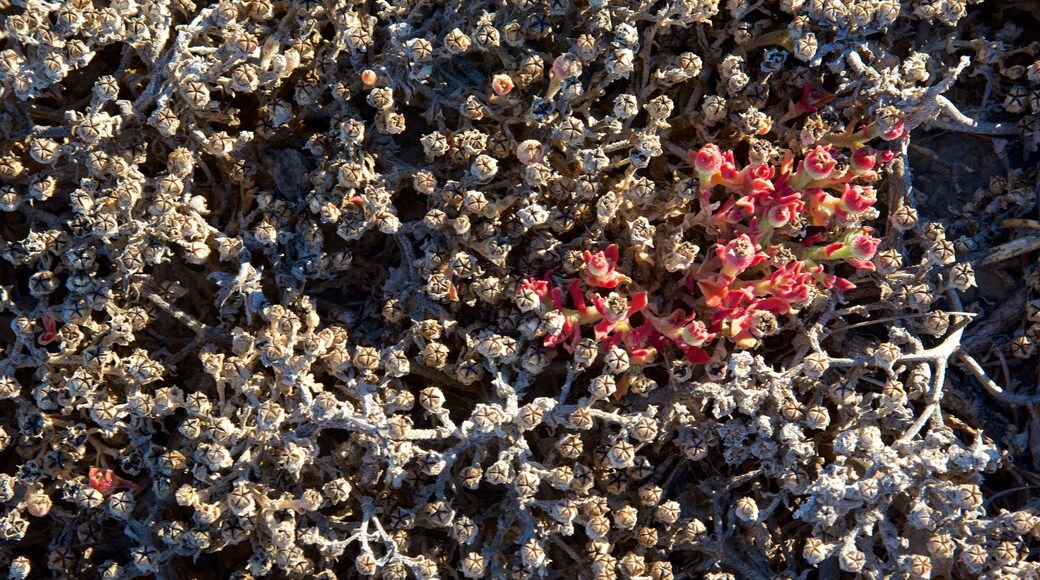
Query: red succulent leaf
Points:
[790, 282]
[746, 203]
[106, 481]
[837, 283]
[812, 240]
[895, 132]
[570, 332]
[714, 290]
[736, 297]
[861, 264]
[557, 298]
[763, 171]
[574, 288]
[729, 171]
[601, 306]
[786, 167]
[829, 251]
[641, 355]
[638, 302]
[696, 334]
[725, 215]
[696, 355]
[813, 99]
[603, 329]
[540, 287]
[774, 304]
[50, 328]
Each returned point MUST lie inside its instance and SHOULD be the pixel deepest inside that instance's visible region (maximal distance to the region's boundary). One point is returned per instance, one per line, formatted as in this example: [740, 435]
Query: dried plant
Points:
[528, 289]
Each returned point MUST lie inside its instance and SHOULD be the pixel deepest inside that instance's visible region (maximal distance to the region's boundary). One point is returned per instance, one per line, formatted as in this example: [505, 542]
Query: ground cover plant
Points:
[512, 289]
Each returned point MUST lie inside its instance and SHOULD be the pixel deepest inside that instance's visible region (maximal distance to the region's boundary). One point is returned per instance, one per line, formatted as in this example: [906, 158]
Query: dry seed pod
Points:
[472, 565]
[747, 509]
[1023, 347]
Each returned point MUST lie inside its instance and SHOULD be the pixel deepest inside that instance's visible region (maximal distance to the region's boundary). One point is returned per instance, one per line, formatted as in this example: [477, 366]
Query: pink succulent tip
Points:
[864, 159]
[106, 481]
[709, 160]
[50, 329]
[738, 253]
[780, 215]
[696, 334]
[600, 268]
[831, 249]
[813, 99]
[819, 163]
[502, 84]
[864, 246]
[895, 132]
[540, 287]
[858, 198]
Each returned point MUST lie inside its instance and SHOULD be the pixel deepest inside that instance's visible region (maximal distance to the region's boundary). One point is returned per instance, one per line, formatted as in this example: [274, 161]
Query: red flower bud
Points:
[598, 264]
